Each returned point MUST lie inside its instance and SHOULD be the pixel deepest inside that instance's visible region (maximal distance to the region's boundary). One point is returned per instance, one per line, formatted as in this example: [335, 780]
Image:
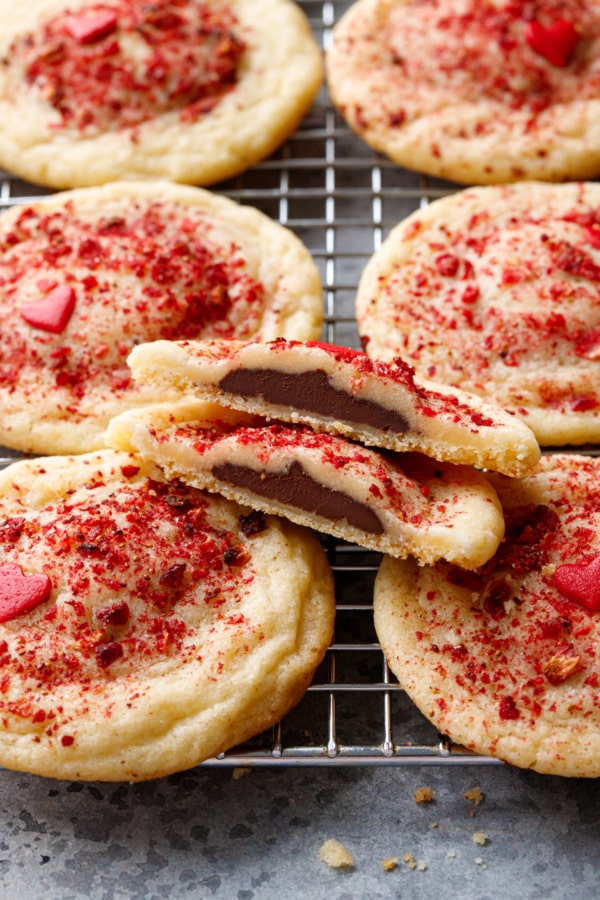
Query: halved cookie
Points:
[506, 660]
[396, 503]
[85, 275]
[144, 625]
[190, 90]
[339, 390]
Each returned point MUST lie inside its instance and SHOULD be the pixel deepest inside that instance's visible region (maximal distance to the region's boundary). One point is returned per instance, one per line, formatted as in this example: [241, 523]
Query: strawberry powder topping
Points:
[117, 65]
[76, 293]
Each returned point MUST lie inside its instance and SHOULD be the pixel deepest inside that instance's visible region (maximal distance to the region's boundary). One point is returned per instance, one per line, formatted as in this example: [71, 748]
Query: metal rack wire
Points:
[341, 199]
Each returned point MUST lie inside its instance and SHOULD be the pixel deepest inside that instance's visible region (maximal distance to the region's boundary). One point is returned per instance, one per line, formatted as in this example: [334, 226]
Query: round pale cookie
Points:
[475, 91]
[341, 391]
[190, 90]
[505, 661]
[400, 503]
[146, 626]
[495, 290]
[85, 275]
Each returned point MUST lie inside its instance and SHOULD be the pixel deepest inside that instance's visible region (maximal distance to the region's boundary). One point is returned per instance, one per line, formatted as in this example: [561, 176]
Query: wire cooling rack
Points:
[341, 199]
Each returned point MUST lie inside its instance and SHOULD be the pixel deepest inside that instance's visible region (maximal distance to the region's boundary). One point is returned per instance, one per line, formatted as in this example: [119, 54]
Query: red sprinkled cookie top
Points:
[515, 301]
[514, 54]
[117, 65]
[77, 292]
[160, 544]
[532, 620]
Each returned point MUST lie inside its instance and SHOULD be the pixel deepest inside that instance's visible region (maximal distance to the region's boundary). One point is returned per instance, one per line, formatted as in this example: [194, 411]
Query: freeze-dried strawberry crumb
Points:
[109, 653]
[507, 709]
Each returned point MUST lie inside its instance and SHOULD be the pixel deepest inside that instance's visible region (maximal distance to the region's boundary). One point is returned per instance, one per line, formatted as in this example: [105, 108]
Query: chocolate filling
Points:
[296, 488]
[312, 392]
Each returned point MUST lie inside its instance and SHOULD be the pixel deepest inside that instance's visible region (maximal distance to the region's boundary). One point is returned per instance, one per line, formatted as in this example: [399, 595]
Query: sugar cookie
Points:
[495, 290]
[146, 626]
[193, 91]
[85, 275]
[475, 91]
[505, 661]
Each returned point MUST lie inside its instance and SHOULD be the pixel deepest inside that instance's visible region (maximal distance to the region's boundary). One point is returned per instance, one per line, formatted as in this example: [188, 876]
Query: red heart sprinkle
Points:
[20, 592]
[53, 312]
[555, 43]
[580, 582]
[90, 27]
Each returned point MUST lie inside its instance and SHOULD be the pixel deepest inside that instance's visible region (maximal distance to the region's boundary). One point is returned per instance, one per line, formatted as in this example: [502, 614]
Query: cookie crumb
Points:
[389, 863]
[424, 795]
[479, 862]
[480, 838]
[451, 854]
[240, 772]
[413, 863]
[475, 795]
[335, 855]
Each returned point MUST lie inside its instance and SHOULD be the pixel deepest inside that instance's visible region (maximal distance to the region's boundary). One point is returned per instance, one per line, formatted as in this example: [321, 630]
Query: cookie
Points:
[339, 390]
[475, 92]
[85, 275]
[494, 290]
[193, 91]
[505, 661]
[399, 504]
[146, 626]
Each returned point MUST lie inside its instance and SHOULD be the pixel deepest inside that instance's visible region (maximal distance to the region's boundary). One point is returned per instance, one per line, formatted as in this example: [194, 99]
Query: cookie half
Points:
[144, 625]
[494, 290]
[85, 275]
[475, 92]
[399, 504]
[505, 661]
[193, 91]
[339, 390]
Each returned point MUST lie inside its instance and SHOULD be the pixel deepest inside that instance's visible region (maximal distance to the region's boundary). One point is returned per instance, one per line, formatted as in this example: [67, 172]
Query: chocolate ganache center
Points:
[312, 392]
[296, 488]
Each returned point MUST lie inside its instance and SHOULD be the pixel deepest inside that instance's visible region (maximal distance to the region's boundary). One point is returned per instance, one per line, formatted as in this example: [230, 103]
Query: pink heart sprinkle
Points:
[555, 43]
[53, 312]
[90, 27]
[20, 592]
[580, 582]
